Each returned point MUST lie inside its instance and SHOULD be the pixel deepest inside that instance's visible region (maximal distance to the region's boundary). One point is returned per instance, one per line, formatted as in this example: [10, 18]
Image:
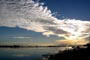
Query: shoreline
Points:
[76, 53]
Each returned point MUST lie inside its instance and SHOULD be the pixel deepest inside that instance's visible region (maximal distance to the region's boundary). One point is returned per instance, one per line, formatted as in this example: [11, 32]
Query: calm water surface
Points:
[26, 53]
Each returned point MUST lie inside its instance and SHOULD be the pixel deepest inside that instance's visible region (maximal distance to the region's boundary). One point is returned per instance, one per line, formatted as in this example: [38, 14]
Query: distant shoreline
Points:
[19, 46]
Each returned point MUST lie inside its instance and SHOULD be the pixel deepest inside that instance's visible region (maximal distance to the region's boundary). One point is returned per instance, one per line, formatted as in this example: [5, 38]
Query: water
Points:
[26, 53]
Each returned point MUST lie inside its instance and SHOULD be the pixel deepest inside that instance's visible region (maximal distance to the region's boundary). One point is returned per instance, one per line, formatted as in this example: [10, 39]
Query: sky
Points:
[44, 22]
[73, 9]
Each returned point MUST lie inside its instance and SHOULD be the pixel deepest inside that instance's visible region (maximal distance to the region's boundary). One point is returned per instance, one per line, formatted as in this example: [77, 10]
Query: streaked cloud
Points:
[22, 37]
[72, 42]
[30, 15]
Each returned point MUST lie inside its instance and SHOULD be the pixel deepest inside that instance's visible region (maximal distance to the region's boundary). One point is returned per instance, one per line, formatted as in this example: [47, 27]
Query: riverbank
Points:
[78, 52]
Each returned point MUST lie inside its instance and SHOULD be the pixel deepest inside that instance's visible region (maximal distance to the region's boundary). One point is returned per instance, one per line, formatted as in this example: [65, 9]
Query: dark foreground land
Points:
[75, 54]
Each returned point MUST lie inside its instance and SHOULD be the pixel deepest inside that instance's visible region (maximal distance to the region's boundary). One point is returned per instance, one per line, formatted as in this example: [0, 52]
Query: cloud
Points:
[22, 37]
[31, 15]
[72, 42]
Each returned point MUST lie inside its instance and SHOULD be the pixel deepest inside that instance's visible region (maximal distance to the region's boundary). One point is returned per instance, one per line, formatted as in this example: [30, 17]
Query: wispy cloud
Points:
[30, 15]
[72, 42]
[22, 37]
